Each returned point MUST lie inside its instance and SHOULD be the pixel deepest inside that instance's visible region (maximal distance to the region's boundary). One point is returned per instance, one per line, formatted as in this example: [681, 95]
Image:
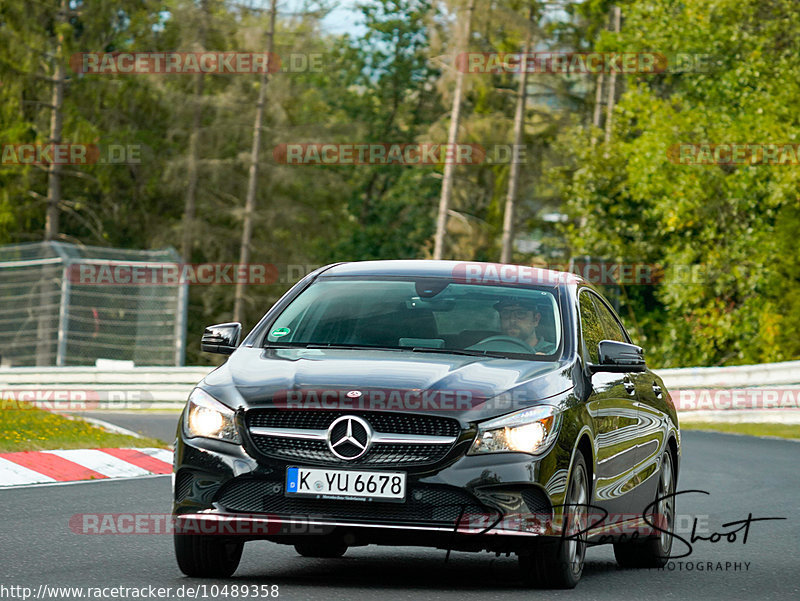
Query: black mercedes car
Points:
[460, 406]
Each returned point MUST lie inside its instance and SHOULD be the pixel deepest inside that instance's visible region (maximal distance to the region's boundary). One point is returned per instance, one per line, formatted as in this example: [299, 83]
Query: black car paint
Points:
[624, 434]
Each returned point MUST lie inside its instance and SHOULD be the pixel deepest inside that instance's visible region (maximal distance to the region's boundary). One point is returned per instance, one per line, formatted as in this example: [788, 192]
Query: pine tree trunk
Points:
[51, 228]
[45, 326]
[252, 181]
[519, 130]
[598, 106]
[190, 201]
[612, 84]
[452, 140]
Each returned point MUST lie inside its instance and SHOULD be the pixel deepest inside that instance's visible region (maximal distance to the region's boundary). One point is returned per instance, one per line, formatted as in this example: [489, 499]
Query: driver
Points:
[519, 318]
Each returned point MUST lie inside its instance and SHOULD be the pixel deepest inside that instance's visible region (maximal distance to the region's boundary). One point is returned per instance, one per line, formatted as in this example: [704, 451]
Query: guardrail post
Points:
[181, 311]
[63, 316]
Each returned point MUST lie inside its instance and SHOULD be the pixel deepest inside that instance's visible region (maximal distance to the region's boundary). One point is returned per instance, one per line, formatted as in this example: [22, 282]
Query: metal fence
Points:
[50, 316]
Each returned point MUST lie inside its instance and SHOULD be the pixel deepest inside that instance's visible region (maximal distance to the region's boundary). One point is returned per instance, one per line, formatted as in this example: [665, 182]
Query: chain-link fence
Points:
[62, 304]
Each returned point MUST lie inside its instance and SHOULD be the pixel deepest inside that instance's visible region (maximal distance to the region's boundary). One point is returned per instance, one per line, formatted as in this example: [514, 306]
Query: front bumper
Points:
[494, 498]
[214, 521]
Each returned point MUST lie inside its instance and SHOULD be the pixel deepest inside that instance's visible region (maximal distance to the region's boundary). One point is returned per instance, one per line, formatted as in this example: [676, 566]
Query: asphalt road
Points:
[744, 475]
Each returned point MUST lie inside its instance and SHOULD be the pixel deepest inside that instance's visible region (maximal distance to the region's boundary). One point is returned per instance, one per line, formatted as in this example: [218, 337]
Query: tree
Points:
[252, 179]
[720, 232]
[519, 127]
[452, 139]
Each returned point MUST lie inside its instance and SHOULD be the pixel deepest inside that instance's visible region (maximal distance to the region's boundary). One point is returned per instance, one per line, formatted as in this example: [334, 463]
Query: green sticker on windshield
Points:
[279, 332]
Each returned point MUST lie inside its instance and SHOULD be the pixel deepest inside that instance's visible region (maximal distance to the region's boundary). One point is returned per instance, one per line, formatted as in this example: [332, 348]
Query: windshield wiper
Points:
[333, 345]
[414, 349]
[451, 351]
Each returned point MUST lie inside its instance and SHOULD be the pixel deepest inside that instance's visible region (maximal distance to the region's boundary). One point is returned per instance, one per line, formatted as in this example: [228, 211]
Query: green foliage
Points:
[390, 70]
[733, 227]
[731, 224]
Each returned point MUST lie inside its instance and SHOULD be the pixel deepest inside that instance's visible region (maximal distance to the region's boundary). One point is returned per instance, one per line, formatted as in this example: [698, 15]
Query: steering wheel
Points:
[526, 348]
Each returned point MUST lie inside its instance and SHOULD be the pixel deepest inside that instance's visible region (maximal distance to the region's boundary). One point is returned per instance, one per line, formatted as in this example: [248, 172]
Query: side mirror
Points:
[619, 357]
[222, 338]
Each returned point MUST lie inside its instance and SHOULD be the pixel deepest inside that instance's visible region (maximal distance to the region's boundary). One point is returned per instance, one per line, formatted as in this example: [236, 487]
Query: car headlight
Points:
[531, 431]
[208, 418]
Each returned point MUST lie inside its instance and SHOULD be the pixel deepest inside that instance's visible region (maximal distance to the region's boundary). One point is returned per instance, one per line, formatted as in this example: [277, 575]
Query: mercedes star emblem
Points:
[349, 437]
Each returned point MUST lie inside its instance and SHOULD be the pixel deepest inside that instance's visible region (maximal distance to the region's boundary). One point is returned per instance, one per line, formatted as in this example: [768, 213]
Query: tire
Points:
[207, 556]
[327, 549]
[653, 552]
[559, 564]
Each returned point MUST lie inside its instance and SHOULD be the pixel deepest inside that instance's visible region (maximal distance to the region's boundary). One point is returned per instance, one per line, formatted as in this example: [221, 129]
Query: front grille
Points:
[430, 504]
[394, 423]
[379, 453]
[396, 454]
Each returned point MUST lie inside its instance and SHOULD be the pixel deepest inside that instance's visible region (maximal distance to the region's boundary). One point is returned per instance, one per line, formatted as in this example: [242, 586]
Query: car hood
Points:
[465, 387]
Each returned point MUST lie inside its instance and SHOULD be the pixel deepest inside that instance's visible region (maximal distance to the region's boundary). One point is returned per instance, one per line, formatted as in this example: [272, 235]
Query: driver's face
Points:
[518, 321]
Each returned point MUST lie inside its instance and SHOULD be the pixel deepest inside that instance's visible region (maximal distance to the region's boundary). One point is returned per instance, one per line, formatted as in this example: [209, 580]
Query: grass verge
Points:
[32, 429]
[778, 430]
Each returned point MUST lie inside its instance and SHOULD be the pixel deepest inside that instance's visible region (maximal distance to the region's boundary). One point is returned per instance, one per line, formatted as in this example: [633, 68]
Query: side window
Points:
[591, 328]
[611, 327]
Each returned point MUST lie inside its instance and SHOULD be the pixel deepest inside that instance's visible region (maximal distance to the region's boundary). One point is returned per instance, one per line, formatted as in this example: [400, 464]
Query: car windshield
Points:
[422, 315]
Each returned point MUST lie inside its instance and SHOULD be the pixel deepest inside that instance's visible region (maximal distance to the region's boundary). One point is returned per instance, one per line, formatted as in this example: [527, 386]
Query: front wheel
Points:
[559, 564]
[654, 551]
[207, 556]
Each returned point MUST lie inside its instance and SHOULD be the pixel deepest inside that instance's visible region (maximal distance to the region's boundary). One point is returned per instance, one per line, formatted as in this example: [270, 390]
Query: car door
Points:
[654, 427]
[612, 407]
[642, 390]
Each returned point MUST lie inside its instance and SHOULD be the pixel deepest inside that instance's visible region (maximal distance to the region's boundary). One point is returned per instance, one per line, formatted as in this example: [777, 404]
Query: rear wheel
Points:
[559, 564]
[654, 551]
[326, 549]
[207, 556]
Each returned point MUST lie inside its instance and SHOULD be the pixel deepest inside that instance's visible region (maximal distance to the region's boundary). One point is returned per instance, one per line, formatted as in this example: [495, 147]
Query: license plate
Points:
[345, 485]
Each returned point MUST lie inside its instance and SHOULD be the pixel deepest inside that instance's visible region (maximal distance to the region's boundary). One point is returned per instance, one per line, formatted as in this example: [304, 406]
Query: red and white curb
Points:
[48, 467]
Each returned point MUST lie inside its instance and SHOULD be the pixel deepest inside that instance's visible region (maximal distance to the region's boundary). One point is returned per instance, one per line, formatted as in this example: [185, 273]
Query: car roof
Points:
[467, 271]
